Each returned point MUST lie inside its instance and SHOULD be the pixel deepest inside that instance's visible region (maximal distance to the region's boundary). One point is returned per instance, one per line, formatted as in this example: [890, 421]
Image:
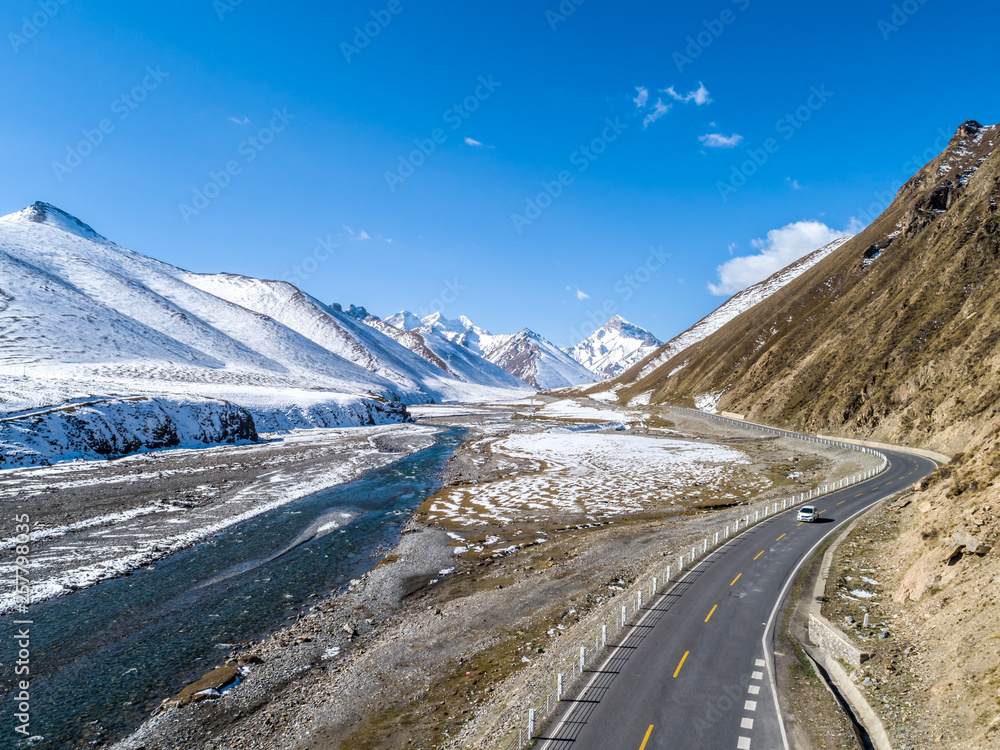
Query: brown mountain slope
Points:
[894, 335]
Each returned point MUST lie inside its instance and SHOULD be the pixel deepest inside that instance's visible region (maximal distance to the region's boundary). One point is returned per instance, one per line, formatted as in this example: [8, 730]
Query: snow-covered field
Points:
[596, 476]
[286, 468]
[573, 410]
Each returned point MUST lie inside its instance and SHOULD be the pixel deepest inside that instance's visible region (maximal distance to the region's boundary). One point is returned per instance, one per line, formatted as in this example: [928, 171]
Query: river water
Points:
[103, 658]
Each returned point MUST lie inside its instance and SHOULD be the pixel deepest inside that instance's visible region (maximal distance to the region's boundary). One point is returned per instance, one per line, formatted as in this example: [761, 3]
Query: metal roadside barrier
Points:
[525, 719]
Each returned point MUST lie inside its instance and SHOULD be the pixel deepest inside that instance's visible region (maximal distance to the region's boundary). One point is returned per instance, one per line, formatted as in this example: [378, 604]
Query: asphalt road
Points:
[696, 670]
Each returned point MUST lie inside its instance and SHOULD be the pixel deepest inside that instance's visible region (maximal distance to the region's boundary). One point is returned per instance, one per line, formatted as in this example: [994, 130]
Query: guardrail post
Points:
[680, 565]
[704, 545]
[668, 574]
[531, 723]
[638, 596]
[652, 592]
[583, 658]
[716, 538]
[604, 636]
[624, 616]
[559, 687]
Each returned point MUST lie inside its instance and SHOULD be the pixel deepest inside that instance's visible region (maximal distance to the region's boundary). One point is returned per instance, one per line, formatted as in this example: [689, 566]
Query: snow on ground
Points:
[708, 402]
[607, 397]
[596, 475]
[641, 400]
[80, 554]
[568, 409]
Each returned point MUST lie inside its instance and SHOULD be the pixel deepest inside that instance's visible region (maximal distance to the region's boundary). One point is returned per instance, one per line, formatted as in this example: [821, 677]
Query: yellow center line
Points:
[759, 554]
[799, 524]
[683, 659]
[736, 579]
[646, 738]
[841, 502]
[859, 494]
[823, 511]
[781, 537]
[711, 613]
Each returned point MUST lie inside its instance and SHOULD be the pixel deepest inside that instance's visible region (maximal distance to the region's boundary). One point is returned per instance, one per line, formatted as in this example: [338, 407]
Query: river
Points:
[104, 657]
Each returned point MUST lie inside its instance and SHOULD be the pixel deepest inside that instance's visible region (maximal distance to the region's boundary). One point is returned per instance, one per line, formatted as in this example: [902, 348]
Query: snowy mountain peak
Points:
[45, 213]
[615, 347]
[438, 322]
[404, 320]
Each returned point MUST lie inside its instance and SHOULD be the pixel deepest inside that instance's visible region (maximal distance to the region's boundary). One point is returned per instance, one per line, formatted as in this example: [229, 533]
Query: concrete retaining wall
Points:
[938, 457]
[833, 642]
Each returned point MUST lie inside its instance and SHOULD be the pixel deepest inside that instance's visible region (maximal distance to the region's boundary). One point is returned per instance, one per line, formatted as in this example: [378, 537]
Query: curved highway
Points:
[696, 670]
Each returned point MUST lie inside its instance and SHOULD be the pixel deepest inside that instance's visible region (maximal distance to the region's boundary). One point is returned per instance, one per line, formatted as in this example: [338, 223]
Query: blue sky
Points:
[500, 162]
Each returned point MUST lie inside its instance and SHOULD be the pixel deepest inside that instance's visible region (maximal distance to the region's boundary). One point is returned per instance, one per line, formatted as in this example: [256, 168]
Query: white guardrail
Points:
[522, 721]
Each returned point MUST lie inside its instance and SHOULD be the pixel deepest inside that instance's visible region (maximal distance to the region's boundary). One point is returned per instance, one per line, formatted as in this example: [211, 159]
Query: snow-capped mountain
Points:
[82, 318]
[537, 361]
[454, 359]
[614, 347]
[735, 305]
[526, 355]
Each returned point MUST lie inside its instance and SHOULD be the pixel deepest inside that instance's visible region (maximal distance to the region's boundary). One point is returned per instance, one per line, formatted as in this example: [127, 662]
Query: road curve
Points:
[696, 670]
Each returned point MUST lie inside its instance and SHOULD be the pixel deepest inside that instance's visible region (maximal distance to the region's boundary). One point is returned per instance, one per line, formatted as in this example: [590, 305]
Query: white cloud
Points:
[732, 248]
[475, 143]
[362, 235]
[658, 111]
[793, 184]
[699, 96]
[781, 248]
[238, 121]
[582, 295]
[642, 96]
[718, 140]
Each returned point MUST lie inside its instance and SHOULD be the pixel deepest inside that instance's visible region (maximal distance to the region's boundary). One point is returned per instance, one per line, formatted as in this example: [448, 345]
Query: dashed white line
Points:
[743, 743]
[750, 706]
[746, 723]
[757, 676]
[759, 663]
[753, 689]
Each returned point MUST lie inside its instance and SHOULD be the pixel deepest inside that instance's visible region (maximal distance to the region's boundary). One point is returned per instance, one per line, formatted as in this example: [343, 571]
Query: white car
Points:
[807, 513]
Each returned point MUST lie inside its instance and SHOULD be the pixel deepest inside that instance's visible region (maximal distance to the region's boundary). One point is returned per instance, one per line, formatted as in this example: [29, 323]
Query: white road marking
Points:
[753, 689]
[759, 663]
[743, 743]
[746, 724]
[757, 676]
[750, 706]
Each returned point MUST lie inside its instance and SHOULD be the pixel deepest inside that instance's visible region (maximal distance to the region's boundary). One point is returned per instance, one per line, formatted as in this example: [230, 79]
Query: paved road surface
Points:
[696, 670]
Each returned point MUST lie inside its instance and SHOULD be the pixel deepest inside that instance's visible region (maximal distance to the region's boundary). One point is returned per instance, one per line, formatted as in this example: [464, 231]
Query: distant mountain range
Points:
[525, 355]
[85, 321]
